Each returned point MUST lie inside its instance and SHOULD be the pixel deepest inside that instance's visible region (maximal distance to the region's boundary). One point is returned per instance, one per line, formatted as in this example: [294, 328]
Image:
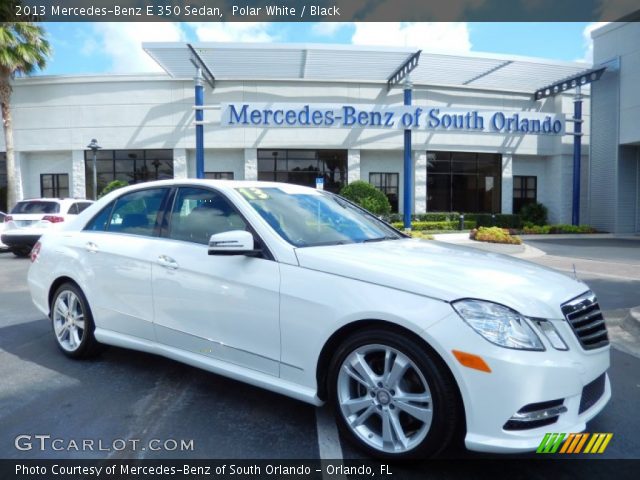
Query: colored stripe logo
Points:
[574, 443]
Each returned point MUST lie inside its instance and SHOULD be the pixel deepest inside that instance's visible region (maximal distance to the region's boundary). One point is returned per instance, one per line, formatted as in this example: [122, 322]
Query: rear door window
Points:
[138, 213]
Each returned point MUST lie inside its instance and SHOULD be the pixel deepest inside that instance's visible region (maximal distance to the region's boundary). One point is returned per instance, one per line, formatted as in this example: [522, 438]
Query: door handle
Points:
[91, 247]
[167, 262]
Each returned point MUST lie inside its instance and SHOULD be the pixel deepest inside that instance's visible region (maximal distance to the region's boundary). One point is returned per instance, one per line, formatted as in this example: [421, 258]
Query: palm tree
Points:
[23, 50]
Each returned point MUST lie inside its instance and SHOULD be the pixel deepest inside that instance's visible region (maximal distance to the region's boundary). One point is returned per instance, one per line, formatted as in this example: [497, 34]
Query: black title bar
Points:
[318, 10]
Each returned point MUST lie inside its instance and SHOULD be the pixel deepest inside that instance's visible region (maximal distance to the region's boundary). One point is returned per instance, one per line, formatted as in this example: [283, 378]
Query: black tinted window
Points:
[73, 209]
[99, 222]
[35, 206]
[82, 206]
[136, 213]
[199, 213]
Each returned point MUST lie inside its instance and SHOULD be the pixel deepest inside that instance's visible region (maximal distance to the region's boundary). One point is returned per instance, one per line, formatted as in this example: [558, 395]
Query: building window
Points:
[388, 183]
[219, 175]
[464, 182]
[525, 191]
[131, 166]
[302, 167]
[54, 185]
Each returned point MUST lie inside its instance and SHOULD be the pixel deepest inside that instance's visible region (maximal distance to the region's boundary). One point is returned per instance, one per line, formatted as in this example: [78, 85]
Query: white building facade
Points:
[145, 126]
[614, 199]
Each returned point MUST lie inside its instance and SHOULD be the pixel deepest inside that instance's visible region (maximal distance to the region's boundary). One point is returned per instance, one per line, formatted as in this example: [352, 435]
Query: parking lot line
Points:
[328, 439]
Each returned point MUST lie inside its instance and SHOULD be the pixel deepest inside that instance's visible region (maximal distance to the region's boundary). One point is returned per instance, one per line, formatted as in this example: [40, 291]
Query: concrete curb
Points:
[632, 321]
[523, 251]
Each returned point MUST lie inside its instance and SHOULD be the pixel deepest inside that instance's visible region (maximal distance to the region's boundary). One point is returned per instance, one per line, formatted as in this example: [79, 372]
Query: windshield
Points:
[307, 218]
[36, 207]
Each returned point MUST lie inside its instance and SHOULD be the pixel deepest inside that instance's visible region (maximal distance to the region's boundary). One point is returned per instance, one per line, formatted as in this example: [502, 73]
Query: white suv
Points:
[29, 219]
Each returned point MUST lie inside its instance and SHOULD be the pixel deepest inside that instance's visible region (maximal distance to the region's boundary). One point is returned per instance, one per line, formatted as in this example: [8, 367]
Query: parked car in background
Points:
[414, 343]
[29, 219]
[2, 217]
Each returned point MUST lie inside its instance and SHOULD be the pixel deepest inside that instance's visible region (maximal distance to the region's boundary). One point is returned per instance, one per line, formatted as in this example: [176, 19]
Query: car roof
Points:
[57, 200]
[221, 184]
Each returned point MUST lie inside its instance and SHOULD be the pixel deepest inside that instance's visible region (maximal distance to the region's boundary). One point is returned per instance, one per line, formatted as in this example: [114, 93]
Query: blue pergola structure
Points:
[402, 73]
[574, 83]
[202, 72]
[346, 63]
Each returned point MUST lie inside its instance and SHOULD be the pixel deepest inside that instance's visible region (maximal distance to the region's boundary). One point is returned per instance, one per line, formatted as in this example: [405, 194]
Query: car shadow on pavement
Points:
[128, 394]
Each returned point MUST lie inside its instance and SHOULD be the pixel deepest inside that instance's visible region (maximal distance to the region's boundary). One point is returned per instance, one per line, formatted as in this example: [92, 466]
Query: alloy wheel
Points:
[384, 398]
[68, 320]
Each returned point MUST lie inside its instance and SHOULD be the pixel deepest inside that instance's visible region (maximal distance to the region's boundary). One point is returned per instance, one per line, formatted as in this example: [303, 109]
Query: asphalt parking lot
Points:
[129, 395]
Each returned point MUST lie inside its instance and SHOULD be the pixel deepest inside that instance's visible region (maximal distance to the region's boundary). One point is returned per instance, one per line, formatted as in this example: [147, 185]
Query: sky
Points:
[85, 48]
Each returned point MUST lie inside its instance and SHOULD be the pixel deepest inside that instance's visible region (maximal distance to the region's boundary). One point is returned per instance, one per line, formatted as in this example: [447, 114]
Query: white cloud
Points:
[122, 43]
[328, 29]
[441, 36]
[233, 32]
[588, 41]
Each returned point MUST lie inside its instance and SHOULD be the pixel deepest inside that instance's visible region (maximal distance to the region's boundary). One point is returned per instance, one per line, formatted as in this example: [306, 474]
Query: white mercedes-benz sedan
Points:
[415, 344]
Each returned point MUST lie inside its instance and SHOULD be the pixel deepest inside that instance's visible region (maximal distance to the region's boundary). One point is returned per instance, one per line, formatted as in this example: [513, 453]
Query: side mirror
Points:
[235, 242]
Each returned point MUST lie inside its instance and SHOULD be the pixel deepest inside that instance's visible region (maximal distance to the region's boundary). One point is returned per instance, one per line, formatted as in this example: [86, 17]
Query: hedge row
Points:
[471, 220]
[429, 226]
[561, 228]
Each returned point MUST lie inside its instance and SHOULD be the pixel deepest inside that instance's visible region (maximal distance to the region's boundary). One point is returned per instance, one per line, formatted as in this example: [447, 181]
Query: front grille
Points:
[591, 393]
[586, 320]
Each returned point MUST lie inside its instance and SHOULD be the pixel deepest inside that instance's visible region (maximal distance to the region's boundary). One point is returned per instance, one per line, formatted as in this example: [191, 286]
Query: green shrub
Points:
[561, 228]
[111, 186]
[392, 217]
[535, 213]
[494, 235]
[437, 217]
[367, 196]
[422, 235]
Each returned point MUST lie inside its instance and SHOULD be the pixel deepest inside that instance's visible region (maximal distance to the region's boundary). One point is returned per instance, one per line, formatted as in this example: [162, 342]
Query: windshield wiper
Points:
[379, 239]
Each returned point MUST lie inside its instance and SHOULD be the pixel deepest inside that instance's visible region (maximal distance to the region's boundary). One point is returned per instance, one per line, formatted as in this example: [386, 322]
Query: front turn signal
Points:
[470, 360]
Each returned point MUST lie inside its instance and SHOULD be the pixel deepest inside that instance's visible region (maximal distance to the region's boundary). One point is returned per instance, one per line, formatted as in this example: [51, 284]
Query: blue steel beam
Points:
[408, 168]
[577, 157]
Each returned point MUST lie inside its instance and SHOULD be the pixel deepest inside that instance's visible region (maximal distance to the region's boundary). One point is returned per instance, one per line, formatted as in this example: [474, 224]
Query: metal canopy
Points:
[336, 63]
[582, 79]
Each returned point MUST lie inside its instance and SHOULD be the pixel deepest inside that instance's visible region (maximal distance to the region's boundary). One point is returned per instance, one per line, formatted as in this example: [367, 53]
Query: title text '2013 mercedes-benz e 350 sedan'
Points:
[415, 344]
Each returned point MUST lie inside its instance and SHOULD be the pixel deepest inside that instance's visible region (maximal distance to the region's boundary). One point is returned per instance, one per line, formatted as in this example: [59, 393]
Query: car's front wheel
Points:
[73, 323]
[392, 396]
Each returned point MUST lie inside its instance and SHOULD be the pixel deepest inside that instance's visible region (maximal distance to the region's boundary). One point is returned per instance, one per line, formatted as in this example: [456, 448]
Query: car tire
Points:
[393, 397]
[21, 252]
[72, 323]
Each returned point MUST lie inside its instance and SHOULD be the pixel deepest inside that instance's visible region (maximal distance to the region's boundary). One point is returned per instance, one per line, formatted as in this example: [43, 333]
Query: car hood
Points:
[448, 273]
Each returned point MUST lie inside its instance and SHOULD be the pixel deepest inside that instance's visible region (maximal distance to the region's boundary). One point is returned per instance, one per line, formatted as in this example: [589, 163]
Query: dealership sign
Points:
[269, 115]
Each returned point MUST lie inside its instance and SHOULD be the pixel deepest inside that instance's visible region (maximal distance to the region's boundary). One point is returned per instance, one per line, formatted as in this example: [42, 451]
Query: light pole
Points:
[94, 147]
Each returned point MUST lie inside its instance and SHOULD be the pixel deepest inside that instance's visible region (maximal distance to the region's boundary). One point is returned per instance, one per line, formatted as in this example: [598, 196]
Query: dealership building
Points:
[464, 132]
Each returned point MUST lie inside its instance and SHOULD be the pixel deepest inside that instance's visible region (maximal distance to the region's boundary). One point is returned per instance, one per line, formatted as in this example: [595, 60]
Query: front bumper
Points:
[518, 379]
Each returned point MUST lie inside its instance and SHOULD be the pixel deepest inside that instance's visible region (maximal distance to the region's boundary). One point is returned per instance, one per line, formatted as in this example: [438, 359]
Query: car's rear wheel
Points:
[392, 396]
[73, 322]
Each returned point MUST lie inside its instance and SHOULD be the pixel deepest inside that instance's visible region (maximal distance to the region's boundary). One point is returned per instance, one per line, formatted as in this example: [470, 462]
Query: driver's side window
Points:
[199, 213]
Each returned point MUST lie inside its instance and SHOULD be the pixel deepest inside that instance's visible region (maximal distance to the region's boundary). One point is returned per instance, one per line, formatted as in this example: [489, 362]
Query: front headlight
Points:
[498, 324]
